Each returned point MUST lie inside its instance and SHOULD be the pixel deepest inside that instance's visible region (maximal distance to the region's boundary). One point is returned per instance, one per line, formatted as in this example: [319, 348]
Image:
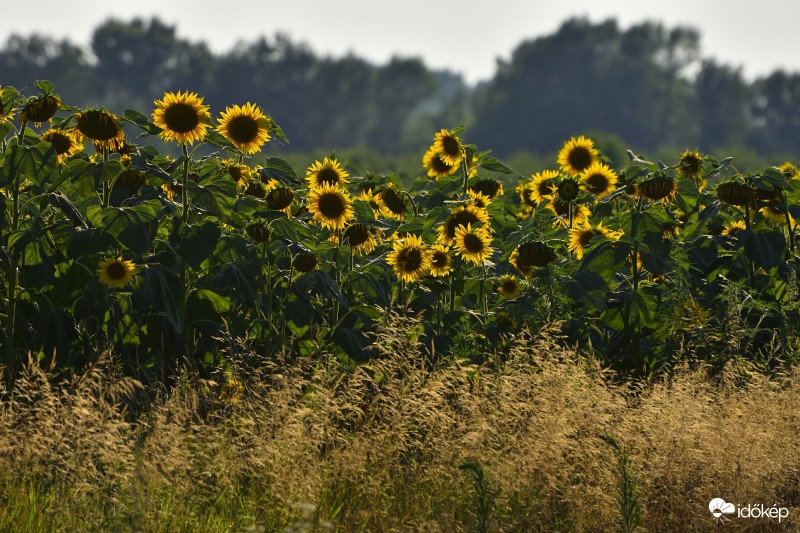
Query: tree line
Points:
[647, 85]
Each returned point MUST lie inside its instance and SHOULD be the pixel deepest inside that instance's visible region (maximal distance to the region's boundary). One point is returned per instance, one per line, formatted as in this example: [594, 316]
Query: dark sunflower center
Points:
[116, 271]
[235, 172]
[473, 244]
[181, 118]
[305, 262]
[450, 146]
[586, 237]
[410, 259]
[580, 158]
[462, 218]
[393, 201]
[356, 235]
[545, 188]
[98, 125]
[561, 208]
[243, 129]
[691, 164]
[487, 187]
[331, 206]
[440, 259]
[597, 183]
[365, 188]
[62, 143]
[568, 189]
[328, 176]
[509, 286]
[439, 165]
[42, 109]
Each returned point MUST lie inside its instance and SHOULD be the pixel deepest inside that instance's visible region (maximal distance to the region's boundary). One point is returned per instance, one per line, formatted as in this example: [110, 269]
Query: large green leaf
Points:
[134, 227]
[764, 248]
[216, 194]
[196, 243]
[588, 288]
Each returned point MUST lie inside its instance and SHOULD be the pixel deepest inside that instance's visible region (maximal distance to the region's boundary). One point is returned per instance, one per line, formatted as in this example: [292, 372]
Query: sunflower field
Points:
[108, 244]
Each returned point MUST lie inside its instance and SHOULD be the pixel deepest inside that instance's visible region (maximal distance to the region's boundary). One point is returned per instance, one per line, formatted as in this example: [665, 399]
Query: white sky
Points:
[466, 36]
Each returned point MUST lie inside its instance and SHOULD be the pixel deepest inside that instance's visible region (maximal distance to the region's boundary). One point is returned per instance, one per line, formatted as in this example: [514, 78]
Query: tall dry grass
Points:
[308, 445]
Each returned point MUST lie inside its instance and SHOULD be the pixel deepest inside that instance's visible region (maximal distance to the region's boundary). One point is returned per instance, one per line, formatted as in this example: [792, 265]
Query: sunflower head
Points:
[577, 155]
[449, 147]
[461, 216]
[479, 200]
[735, 192]
[567, 190]
[436, 166]
[280, 198]
[331, 207]
[732, 228]
[40, 108]
[116, 272]
[360, 237]
[258, 231]
[7, 97]
[777, 213]
[409, 259]
[657, 187]
[508, 286]
[598, 179]
[532, 254]
[474, 245]
[691, 164]
[580, 238]
[328, 172]
[246, 127]
[182, 117]
[393, 205]
[441, 261]
[580, 213]
[102, 127]
[489, 187]
[305, 262]
[543, 185]
[365, 189]
[65, 142]
[790, 170]
[132, 179]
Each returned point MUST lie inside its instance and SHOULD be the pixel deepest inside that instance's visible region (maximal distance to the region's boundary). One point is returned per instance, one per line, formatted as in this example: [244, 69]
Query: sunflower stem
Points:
[10, 355]
[185, 177]
[466, 171]
[789, 228]
[751, 273]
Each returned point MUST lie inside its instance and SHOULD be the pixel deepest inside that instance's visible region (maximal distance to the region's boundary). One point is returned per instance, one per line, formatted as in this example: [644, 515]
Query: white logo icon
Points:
[718, 507]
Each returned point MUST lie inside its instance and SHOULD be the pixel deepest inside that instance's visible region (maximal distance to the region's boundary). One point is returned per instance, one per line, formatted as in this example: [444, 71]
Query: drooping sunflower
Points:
[479, 200]
[116, 272]
[182, 116]
[331, 206]
[532, 254]
[305, 261]
[735, 192]
[361, 238]
[410, 259]
[776, 212]
[436, 166]
[691, 164]
[392, 203]
[280, 199]
[790, 169]
[580, 238]
[244, 126]
[509, 286]
[489, 187]
[65, 142]
[732, 228]
[441, 261]
[258, 231]
[474, 245]
[657, 187]
[577, 155]
[328, 172]
[599, 179]
[102, 127]
[459, 217]
[449, 147]
[40, 108]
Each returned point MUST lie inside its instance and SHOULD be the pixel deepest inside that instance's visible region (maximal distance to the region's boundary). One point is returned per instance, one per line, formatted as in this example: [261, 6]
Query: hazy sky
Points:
[466, 36]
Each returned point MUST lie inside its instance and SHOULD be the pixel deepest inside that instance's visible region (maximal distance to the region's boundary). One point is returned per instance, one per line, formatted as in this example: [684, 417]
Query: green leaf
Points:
[279, 170]
[135, 117]
[132, 226]
[157, 290]
[196, 243]
[44, 86]
[494, 165]
[38, 162]
[588, 288]
[88, 242]
[216, 194]
[274, 128]
[764, 249]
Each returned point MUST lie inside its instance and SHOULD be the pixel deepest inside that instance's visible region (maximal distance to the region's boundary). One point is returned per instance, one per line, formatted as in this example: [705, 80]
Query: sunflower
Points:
[659, 186]
[360, 237]
[580, 213]
[65, 142]
[777, 213]
[132, 180]
[116, 272]
[329, 172]
[790, 170]
[305, 262]
[365, 190]
[246, 127]
[473, 244]
[461, 216]
[488, 187]
[598, 179]
[258, 231]
[39, 109]
[509, 286]
[543, 185]
[6, 106]
[102, 127]
[735, 192]
[577, 155]
[240, 173]
[330, 206]
[732, 228]
[532, 254]
[691, 164]
[580, 238]
[182, 116]
[392, 203]
[567, 189]
[479, 200]
[280, 199]
[436, 166]
[449, 147]
[441, 261]
[409, 259]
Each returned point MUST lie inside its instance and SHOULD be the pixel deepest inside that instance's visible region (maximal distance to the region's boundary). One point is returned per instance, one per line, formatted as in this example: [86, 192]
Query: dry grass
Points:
[378, 448]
